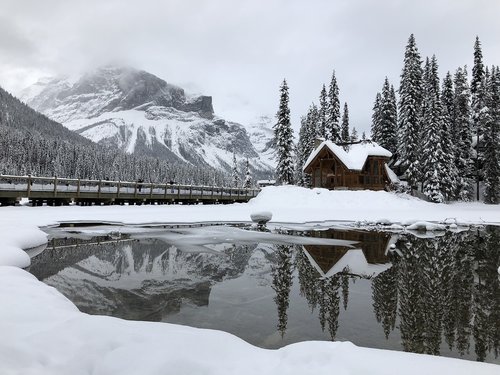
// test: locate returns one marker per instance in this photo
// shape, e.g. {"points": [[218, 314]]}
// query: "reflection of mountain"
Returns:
{"points": [[134, 280]]}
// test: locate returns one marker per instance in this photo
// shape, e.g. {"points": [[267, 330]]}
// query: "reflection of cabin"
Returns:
{"points": [[356, 165], [367, 259]]}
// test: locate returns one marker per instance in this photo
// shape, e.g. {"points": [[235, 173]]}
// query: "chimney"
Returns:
{"points": [[318, 141]]}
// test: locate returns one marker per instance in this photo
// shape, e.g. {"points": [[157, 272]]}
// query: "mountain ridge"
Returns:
{"points": [[134, 110]]}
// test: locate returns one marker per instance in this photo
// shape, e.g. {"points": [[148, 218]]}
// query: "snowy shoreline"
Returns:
{"points": [[44, 333]]}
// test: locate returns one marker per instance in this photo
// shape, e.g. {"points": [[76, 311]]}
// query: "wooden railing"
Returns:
{"points": [[57, 190]]}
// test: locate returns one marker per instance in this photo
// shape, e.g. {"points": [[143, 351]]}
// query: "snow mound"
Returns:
{"points": [[58, 339]]}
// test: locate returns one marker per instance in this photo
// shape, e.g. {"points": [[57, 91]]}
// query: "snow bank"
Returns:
{"points": [[43, 333], [13, 239]]}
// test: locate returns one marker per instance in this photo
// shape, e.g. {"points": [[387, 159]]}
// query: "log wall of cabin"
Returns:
{"points": [[328, 172]]}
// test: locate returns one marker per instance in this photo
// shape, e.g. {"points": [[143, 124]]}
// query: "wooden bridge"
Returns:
{"points": [[56, 191]]}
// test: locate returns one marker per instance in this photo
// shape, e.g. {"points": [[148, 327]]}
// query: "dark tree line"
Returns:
{"points": [[30, 143], [444, 137]]}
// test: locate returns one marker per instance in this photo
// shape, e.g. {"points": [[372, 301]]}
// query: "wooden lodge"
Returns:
{"points": [[354, 166]]}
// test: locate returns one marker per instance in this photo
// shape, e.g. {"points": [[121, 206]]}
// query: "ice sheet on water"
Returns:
{"points": [[188, 237]]}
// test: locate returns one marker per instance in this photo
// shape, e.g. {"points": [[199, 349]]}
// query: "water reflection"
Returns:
{"points": [[426, 295]]}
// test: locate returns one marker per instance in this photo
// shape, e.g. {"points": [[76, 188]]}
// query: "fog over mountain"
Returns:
{"points": [[135, 111]]}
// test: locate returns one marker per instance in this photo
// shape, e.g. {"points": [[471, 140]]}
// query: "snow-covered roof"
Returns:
{"points": [[392, 176], [355, 156]]}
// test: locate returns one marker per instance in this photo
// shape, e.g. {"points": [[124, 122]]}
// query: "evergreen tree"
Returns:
{"points": [[478, 103], [283, 137], [387, 118], [375, 129], [301, 152], [248, 177], [462, 132], [345, 125], [491, 139], [235, 176], [354, 135], [432, 156], [333, 115], [410, 101], [448, 144], [322, 129]]}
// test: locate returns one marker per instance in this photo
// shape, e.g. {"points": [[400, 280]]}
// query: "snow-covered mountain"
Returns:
{"points": [[139, 112]]}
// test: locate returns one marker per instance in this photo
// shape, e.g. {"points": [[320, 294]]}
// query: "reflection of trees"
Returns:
{"points": [[411, 298], [385, 297], [487, 296], [443, 287], [282, 283], [321, 292]]}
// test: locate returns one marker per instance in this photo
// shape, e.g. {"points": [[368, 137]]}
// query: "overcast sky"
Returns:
{"points": [[239, 51]]}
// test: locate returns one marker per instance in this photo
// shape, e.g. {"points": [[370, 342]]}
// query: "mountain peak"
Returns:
{"points": [[110, 88]]}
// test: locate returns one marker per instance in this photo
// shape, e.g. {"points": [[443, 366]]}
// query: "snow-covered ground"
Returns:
{"points": [[43, 333]]}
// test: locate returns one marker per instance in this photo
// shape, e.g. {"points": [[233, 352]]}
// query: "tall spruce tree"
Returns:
{"points": [[491, 139], [478, 103], [375, 129], [333, 114], [302, 152], [322, 130], [387, 118], [448, 139], [410, 101], [432, 156], [463, 135], [283, 139], [345, 125]]}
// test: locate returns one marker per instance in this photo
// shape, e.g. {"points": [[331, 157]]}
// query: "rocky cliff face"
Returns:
{"points": [[138, 112]]}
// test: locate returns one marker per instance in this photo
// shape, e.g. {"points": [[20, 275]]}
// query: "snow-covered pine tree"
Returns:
{"points": [[463, 135], [345, 124], [283, 138], [387, 118], [363, 136], [322, 129], [375, 129], [333, 115], [447, 139], [478, 103], [354, 135], [394, 110], [301, 152], [491, 140], [410, 101], [235, 176], [248, 177], [432, 156], [312, 126]]}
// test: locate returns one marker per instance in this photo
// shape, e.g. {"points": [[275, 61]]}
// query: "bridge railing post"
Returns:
{"points": [[28, 189], [78, 188], [118, 186], [55, 186], [99, 189]]}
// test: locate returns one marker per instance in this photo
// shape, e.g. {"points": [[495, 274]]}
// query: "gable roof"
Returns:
{"points": [[355, 157]]}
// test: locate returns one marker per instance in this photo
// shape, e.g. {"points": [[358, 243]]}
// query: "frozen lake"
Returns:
{"points": [[436, 295]]}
